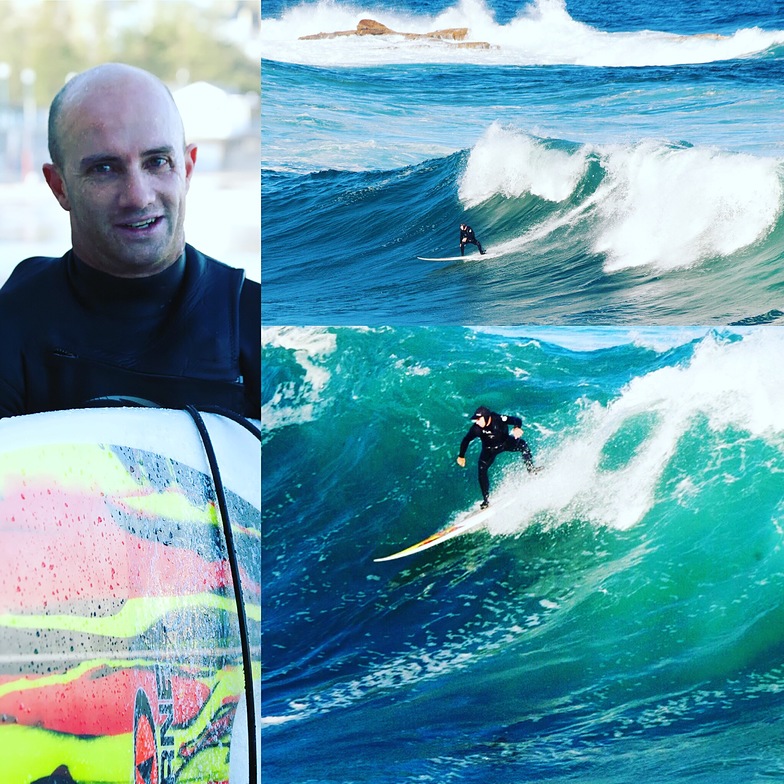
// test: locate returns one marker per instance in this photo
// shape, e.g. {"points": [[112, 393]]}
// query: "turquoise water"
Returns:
{"points": [[619, 616]]}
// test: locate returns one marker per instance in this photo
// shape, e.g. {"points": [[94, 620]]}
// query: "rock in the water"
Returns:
{"points": [[372, 27]]}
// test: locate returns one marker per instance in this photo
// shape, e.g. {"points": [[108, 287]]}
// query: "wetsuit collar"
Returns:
{"points": [[124, 297]]}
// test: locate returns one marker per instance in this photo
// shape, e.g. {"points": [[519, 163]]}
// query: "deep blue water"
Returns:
{"points": [[619, 618], [690, 16], [621, 161]]}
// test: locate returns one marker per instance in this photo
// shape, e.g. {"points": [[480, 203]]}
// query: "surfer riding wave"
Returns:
{"points": [[467, 237], [493, 431]]}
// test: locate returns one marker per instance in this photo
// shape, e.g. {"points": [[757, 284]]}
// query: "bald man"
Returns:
{"points": [[131, 310]]}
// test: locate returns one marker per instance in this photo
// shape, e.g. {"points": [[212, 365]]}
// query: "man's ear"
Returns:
{"points": [[56, 184], [190, 161]]}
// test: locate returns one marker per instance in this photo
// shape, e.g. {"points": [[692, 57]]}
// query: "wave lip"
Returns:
{"points": [[650, 204]]}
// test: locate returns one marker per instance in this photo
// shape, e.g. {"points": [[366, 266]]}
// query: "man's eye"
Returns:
{"points": [[101, 168], [159, 162]]}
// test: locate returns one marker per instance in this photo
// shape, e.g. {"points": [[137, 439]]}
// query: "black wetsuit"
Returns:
{"points": [[495, 439], [187, 335], [467, 236]]}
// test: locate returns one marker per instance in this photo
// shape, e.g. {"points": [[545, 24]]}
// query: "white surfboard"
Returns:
{"points": [[462, 524], [117, 592], [469, 257]]}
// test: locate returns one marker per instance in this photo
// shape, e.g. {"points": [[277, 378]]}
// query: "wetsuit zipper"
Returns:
{"points": [[61, 352]]}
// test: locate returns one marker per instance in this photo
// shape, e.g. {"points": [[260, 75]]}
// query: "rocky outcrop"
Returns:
{"points": [[371, 27]]}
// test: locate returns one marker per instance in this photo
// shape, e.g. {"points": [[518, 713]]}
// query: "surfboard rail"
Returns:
{"points": [[462, 525], [120, 641]]}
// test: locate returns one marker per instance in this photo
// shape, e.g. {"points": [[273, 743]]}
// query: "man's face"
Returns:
{"points": [[481, 422], [124, 178]]}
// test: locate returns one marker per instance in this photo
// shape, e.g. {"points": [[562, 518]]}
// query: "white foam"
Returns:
{"points": [[509, 162], [296, 402], [543, 33], [735, 384], [673, 207]]}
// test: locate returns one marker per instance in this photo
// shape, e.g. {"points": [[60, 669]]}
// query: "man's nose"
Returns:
{"points": [[138, 191]]}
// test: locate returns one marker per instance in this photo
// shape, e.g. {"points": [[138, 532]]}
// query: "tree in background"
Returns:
{"points": [[176, 40]]}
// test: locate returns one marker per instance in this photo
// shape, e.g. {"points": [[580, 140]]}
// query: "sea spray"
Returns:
{"points": [[541, 33], [671, 207], [609, 469]]}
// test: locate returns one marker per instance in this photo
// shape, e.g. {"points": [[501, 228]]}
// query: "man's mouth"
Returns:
{"points": [[141, 224]]}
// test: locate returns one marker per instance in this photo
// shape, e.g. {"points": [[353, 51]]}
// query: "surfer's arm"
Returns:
{"points": [[514, 421], [469, 437]]}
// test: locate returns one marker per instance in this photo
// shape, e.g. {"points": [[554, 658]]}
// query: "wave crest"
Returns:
{"points": [[543, 33], [653, 203]]}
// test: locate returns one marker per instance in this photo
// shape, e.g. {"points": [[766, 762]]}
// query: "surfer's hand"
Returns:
{"points": [[461, 462], [517, 432]]}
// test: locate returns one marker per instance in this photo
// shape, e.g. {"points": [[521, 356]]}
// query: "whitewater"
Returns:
{"points": [[541, 33]]}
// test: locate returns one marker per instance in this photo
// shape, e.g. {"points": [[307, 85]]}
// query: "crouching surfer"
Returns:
{"points": [[467, 237], [493, 431]]}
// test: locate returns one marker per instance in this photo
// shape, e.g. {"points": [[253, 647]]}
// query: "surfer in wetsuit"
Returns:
{"points": [[493, 431], [467, 236], [131, 311]]}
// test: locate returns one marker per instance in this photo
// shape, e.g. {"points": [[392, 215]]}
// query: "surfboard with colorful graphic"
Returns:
{"points": [[129, 610], [464, 523]]}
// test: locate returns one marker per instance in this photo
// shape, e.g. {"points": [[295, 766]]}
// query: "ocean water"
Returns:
{"points": [[622, 162], [619, 618]]}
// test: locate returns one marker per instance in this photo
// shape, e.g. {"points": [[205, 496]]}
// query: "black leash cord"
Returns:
{"points": [[235, 417], [220, 495]]}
